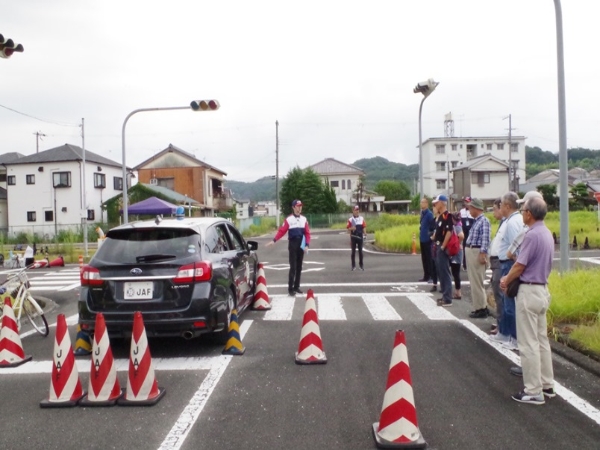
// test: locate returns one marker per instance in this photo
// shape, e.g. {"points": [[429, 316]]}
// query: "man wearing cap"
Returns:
{"points": [[533, 267], [467, 222], [444, 226], [296, 226], [476, 251], [426, 227], [357, 227]]}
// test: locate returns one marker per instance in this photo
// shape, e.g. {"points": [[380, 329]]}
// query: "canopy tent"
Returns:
{"points": [[152, 205]]}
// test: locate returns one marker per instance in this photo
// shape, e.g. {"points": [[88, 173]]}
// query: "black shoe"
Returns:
{"points": [[549, 392], [291, 293], [433, 289], [516, 371], [479, 314], [421, 280], [524, 397], [298, 291]]}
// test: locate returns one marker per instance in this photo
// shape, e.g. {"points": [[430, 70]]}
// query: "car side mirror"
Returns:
{"points": [[252, 245]]}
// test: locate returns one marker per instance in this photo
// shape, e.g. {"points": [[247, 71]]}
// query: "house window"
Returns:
{"points": [[169, 183], [49, 216], [440, 166], [349, 186], [514, 147], [481, 145], [3, 178], [30, 216], [480, 178], [440, 184], [500, 146], [454, 164], [440, 149], [343, 185], [91, 214], [335, 184], [11, 180], [454, 147], [30, 179], [118, 183], [99, 180], [488, 146], [61, 179]]}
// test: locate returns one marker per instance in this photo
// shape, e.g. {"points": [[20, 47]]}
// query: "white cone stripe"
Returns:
{"points": [[145, 389], [310, 327], [9, 333], [69, 388], [311, 350], [380, 308], [398, 391], [106, 389], [6, 355], [261, 288], [401, 427], [399, 354], [330, 308]]}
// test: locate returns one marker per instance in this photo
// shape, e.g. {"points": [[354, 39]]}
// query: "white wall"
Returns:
{"points": [[343, 194]]}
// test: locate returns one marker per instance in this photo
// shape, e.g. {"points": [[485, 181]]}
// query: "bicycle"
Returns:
{"points": [[17, 287]]}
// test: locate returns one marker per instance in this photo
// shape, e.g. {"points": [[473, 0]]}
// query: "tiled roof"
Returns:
{"points": [[65, 152], [332, 166]]}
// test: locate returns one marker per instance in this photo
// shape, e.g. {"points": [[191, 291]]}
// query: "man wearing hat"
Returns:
{"points": [[357, 227], [296, 226], [476, 252], [444, 226]]}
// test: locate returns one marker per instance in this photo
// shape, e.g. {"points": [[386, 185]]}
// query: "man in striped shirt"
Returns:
{"points": [[476, 251]]}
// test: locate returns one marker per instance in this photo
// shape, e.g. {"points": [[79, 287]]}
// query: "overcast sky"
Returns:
{"points": [[337, 75]]}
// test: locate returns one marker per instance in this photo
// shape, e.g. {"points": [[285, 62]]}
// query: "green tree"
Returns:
{"points": [[306, 185], [581, 197], [548, 191], [393, 190], [290, 189]]}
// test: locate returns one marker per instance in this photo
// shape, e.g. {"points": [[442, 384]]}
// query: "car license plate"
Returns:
{"points": [[138, 290]]}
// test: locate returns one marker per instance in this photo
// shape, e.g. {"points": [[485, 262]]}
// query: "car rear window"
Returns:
{"points": [[133, 246]]}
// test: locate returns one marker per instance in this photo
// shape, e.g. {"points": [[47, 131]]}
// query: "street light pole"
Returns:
{"points": [[562, 143], [277, 171], [425, 88], [196, 105]]}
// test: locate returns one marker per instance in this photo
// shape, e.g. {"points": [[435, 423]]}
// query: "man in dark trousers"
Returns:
{"points": [[357, 227], [467, 222], [296, 226], [426, 228]]}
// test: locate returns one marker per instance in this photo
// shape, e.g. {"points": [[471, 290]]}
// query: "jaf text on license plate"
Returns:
{"points": [[138, 290]]}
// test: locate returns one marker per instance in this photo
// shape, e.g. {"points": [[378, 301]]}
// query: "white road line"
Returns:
{"points": [[429, 307], [282, 308], [570, 397], [52, 282], [190, 414], [329, 307], [71, 320], [380, 308], [72, 286], [359, 284]]}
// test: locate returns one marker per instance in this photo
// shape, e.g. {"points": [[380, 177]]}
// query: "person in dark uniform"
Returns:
{"points": [[357, 227], [296, 227], [426, 228]]}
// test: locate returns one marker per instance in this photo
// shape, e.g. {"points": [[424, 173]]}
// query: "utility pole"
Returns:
{"points": [[511, 170], [83, 196], [277, 171], [38, 135]]}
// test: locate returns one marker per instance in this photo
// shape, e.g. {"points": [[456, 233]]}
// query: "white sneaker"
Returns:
{"points": [[499, 337], [511, 344]]}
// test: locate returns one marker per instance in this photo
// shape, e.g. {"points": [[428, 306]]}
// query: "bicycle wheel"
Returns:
{"points": [[36, 316]]}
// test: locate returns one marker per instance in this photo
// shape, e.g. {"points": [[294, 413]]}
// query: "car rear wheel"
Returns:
{"points": [[222, 336]]}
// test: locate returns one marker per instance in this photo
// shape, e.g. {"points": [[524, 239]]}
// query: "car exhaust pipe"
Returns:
{"points": [[187, 335]]}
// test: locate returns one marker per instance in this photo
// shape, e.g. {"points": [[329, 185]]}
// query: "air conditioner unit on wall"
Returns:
{"points": [[153, 181]]}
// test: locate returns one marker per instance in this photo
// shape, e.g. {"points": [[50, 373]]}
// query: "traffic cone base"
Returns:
{"points": [[11, 350], [65, 386], [310, 348], [234, 344], [419, 442], [85, 401], [142, 387], [261, 296], [83, 343]]}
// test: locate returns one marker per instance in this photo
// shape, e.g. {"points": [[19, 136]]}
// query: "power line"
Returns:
{"points": [[37, 118]]}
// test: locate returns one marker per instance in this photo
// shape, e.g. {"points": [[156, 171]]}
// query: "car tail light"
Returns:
{"points": [[90, 276], [194, 273]]}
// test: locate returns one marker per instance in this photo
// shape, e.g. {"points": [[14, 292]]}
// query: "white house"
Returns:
{"points": [[441, 155], [45, 191], [242, 208], [484, 177], [342, 177]]}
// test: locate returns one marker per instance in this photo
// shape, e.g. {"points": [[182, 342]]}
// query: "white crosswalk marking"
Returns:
{"points": [[63, 280], [329, 307], [380, 308], [281, 308]]}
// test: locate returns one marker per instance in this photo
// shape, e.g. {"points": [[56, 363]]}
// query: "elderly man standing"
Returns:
{"points": [[425, 229], [533, 267], [476, 251]]}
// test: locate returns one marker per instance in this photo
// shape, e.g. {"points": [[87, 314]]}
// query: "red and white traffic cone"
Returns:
{"points": [[142, 387], [11, 350], [104, 388], [65, 386], [261, 296], [310, 348], [397, 426]]}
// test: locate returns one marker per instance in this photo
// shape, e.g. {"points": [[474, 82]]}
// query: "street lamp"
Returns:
{"points": [[425, 88], [196, 105]]}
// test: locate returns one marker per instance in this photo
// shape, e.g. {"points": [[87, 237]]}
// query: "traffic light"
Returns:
{"points": [[8, 47], [205, 105], [426, 87]]}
